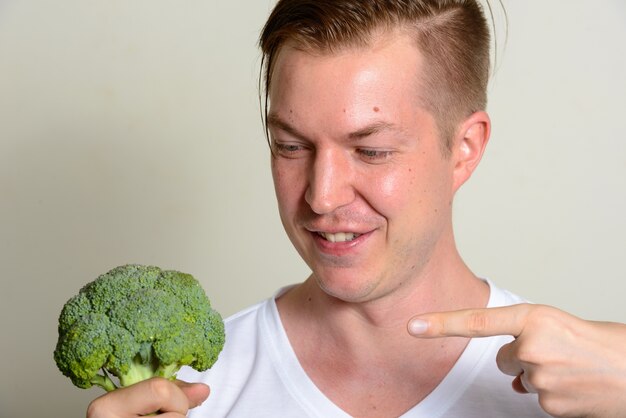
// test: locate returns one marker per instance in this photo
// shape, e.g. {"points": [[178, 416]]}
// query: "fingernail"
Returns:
{"points": [[418, 326]]}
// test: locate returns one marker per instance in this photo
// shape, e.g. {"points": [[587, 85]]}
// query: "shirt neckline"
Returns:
{"points": [[317, 404]]}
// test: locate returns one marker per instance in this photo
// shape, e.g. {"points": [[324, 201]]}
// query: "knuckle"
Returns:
{"points": [[476, 323], [540, 382], [553, 405], [96, 408], [161, 388], [543, 314], [527, 353]]}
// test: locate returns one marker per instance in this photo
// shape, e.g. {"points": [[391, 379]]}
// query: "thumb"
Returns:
{"points": [[197, 393]]}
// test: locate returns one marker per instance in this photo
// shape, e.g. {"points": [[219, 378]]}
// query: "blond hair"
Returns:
{"points": [[452, 35]]}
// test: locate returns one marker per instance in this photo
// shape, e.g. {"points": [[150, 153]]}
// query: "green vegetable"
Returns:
{"points": [[136, 322]]}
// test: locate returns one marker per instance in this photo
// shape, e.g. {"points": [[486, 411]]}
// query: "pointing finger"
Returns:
{"points": [[487, 322]]}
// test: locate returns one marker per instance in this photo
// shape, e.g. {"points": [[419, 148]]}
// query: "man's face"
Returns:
{"points": [[364, 191]]}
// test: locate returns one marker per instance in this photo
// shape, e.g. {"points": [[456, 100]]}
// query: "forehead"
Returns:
{"points": [[383, 76], [394, 47]]}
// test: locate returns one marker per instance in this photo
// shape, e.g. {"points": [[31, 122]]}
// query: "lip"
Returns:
{"points": [[339, 248]]}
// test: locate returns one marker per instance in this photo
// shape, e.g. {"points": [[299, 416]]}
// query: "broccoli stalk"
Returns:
{"points": [[136, 322], [144, 366], [104, 381]]}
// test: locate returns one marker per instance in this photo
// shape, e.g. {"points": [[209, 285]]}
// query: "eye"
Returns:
{"points": [[374, 155], [287, 149]]}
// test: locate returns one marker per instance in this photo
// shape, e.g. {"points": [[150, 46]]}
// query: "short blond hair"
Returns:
{"points": [[452, 35]]}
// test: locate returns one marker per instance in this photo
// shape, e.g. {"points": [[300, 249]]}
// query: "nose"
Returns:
{"points": [[330, 182]]}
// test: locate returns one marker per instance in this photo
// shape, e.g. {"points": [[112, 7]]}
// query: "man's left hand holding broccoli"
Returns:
{"points": [[171, 399]]}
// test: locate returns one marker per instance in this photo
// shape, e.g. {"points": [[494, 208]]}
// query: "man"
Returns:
{"points": [[376, 118]]}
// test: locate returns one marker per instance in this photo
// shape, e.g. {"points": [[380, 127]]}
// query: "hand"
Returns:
{"points": [[577, 367], [171, 399]]}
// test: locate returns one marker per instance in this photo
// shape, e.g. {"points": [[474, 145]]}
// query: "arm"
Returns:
{"points": [[171, 399], [577, 367]]}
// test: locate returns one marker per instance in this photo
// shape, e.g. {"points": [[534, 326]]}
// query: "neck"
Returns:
{"points": [[437, 287], [443, 283], [366, 345]]}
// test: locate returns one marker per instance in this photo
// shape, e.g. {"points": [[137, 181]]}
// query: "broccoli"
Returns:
{"points": [[136, 322]]}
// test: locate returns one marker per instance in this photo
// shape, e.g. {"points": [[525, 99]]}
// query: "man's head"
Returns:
{"points": [[452, 36], [364, 190]]}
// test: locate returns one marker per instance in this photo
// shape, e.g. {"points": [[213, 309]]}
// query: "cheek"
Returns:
{"points": [[391, 192], [278, 178], [410, 191], [401, 183], [392, 186], [286, 185]]}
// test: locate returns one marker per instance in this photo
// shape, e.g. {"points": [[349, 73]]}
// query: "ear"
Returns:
{"points": [[469, 146]]}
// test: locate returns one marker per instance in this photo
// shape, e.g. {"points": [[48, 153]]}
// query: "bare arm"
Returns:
{"points": [[577, 367]]}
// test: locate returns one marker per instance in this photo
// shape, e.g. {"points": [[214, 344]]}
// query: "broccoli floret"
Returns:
{"points": [[136, 322]]}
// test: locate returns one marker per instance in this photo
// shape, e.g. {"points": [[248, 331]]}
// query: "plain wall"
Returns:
{"points": [[130, 132]]}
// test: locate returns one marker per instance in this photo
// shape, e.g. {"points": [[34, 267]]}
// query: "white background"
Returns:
{"points": [[130, 132]]}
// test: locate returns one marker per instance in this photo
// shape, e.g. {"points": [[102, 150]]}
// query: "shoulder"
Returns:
{"points": [[242, 329], [501, 297], [242, 332], [245, 316]]}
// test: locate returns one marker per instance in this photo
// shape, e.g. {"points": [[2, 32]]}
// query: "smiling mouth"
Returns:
{"points": [[339, 236]]}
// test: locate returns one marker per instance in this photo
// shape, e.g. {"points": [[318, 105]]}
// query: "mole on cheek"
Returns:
{"points": [[376, 109]]}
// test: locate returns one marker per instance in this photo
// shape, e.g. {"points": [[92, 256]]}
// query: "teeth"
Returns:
{"points": [[339, 236]]}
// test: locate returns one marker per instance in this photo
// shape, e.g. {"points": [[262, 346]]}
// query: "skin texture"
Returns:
{"points": [[331, 174], [355, 152], [171, 399], [577, 367]]}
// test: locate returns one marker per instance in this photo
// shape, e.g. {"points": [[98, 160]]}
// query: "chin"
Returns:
{"points": [[351, 290]]}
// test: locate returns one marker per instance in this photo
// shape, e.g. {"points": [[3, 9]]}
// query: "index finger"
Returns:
{"points": [[485, 322]]}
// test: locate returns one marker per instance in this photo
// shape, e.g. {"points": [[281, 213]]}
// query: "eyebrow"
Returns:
{"points": [[371, 129], [275, 121]]}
